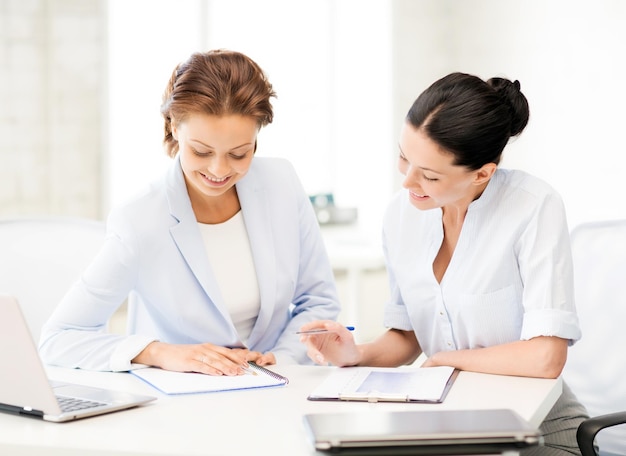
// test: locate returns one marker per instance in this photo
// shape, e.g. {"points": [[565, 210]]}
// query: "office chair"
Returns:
{"points": [[41, 257], [596, 367]]}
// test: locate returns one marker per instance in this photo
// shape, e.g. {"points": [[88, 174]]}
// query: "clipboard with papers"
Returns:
{"points": [[386, 384]]}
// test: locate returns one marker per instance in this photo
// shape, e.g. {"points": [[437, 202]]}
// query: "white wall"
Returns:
{"points": [[568, 56], [369, 59], [52, 73], [147, 39], [332, 74]]}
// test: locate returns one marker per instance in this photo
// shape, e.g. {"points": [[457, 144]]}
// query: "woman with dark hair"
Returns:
{"points": [[221, 260], [478, 257]]}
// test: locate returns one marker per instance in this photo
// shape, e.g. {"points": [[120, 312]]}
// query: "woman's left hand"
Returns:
{"points": [[262, 359]]}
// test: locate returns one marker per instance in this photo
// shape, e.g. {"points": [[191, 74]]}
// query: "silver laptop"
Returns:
{"points": [[421, 432], [24, 385]]}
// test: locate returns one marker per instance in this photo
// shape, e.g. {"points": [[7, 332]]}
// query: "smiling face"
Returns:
{"points": [[432, 178], [215, 153]]}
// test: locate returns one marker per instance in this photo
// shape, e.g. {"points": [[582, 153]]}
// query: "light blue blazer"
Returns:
{"points": [[154, 255]]}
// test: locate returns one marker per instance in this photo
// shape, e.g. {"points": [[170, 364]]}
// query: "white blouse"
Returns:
{"points": [[228, 249], [510, 276]]}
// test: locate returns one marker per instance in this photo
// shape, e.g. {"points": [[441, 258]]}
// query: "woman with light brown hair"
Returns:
{"points": [[222, 259]]}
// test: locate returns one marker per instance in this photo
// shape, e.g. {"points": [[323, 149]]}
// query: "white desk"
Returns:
{"points": [[261, 421]]}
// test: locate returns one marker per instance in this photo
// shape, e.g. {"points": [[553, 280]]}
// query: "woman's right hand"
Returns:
{"points": [[203, 358], [337, 346]]}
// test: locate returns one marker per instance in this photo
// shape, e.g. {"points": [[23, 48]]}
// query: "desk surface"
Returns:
{"points": [[263, 421]]}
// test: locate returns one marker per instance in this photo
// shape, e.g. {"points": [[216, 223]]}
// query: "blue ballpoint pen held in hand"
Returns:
{"points": [[320, 331]]}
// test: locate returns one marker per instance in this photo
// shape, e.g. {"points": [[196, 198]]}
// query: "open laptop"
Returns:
{"points": [[432, 432], [24, 385]]}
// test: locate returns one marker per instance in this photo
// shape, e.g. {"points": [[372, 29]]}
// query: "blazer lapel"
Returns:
{"points": [[188, 239]]}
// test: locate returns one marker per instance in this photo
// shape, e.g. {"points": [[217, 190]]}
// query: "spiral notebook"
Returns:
{"points": [[170, 382]]}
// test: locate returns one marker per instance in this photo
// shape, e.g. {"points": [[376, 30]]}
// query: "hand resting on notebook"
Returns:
{"points": [[203, 358]]}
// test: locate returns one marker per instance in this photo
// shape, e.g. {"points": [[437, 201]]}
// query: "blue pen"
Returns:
{"points": [[320, 331]]}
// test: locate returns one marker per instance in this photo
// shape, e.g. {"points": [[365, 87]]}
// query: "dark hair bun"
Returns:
{"points": [[512, 96]]}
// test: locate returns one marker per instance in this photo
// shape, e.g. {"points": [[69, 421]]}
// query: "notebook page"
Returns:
{"points": [[170, 382]]}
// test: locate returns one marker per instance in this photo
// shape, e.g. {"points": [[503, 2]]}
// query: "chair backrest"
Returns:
{"points": [[40, 258], [596, 365]]}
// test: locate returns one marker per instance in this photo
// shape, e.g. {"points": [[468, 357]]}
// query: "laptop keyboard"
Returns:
{"points": [[72, 404]]}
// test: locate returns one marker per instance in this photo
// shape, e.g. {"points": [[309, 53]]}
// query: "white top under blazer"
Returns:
{"points": [[154, 255], [231, 260]]}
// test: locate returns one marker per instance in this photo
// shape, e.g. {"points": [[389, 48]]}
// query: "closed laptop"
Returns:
{"points": [[421, 432]]}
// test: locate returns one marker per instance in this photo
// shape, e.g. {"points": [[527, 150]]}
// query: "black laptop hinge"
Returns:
{"points": [[21, 410], [31, 412]]}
